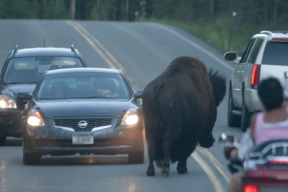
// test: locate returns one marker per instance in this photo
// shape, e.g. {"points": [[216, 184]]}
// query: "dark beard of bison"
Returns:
{"points": [[180, 110]]}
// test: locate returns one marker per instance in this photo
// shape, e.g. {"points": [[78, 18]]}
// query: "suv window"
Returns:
{"points": [[247, 51], [275, 53], [254, 51]]}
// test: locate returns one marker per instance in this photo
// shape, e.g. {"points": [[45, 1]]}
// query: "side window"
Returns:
{"points": [[247, 51], [254, 51]]}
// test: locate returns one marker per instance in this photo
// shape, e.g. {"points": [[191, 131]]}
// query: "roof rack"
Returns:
{"points": [[72, 48], [270, 32], [266, 32], [15, 49]]}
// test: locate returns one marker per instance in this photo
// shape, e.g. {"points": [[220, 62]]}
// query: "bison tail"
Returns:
{"points": [[219, 86]]}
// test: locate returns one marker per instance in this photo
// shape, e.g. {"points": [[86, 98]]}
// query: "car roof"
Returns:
{"points": [[274, 35], [83, 70], [45, 51]]}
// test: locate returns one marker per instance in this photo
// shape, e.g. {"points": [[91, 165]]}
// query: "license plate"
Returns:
{"points": [[82, 138]]}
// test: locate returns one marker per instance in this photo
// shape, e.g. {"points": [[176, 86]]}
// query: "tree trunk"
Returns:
{"points": [[212, 8], [275, 12], [73, 9]]}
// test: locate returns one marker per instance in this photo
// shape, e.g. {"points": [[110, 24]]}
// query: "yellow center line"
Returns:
{"points": [[216, 163], [101, 50], [213, 178]]}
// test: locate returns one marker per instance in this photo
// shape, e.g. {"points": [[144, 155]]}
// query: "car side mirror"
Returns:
{"points": [[138, 98], [230, 56], [22, 99]]}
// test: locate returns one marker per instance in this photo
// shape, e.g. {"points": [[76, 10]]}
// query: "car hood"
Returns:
{"points": [[13, 89], [83, 108]]}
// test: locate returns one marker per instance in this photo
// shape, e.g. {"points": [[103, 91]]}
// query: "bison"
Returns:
{"points": [[179, 109]]}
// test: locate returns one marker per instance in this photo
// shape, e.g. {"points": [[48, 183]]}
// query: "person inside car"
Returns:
{"points": [[268, 125], [60, 90]]}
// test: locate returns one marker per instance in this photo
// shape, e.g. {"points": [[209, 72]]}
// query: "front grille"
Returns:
{"points": [[92, 123]]}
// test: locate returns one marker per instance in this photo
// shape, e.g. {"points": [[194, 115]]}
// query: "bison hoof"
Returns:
{"points": [[165, 171], [150, 172], [182, 170]]}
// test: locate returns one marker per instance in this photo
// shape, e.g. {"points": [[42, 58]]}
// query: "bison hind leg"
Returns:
{"points": [[165, 168]]}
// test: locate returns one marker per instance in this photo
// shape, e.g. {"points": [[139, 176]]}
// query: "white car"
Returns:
{"points": [[265, 55]]}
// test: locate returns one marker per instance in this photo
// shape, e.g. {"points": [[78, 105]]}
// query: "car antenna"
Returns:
{"points": [[44, 42], [15, 49], [72, 48]]}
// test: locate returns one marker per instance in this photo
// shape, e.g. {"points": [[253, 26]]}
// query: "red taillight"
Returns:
{"points": [[279, 162], [280, 39], [255, 76], [250, 188]]}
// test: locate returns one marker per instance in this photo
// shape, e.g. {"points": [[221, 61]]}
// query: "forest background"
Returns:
{"points": [[225, 24]]}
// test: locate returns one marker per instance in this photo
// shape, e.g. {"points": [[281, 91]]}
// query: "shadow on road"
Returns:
{"points": [[84, 160], [13, 141]]}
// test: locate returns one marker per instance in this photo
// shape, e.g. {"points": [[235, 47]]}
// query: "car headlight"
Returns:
{"points": [[7, 102], [34, 118], [130, 118]]}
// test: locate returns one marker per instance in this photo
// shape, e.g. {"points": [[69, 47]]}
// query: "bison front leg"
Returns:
{"points": [[207, 141], [150, 170], [182, 166]]}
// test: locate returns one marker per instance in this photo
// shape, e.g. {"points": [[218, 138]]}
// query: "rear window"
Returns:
{"points": [[276, 53], [30, 69]]}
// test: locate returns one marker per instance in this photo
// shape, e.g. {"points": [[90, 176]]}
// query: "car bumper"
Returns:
{"points": [[58, 141], [252, 101], [10, 123], [267, 179]]}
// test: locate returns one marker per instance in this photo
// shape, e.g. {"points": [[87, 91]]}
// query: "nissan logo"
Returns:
{"points": [[82, 124]]}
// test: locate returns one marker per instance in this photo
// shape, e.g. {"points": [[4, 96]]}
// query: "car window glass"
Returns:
{"points": [[22, 70], [275, 53], [31, 69], [254, 51], [247, 51], [91, 85]]}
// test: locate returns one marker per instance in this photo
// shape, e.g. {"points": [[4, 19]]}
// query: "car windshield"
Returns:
{"points": [[82, 85], [31, 69], [276, 53]]}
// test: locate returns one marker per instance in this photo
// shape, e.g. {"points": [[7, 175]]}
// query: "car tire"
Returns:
{"points": [[136, 157], [31, 158], [3, 141], [233, 120], [245, 117]]}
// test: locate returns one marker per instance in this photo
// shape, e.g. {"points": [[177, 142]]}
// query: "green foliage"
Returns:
{"points": [[217, 32], [210, 20]]}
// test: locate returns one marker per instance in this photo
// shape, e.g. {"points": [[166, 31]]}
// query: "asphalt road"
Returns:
{"points": [[142, 51]]}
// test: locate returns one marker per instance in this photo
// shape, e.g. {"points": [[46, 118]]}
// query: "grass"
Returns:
{"points": [[218, 32]]}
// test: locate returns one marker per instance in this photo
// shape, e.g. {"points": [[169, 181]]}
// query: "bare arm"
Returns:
{"points": [[252, 125]]}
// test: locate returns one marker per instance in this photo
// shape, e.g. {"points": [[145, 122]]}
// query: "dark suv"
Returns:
{"points": [[265, 55], [21, 71]]}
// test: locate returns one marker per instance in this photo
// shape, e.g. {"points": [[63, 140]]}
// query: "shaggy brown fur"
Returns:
{"points": [[179, 109]]}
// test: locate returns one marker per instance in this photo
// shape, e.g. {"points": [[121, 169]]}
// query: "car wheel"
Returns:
{"points": [[136, 157], [2, 141], [233, 120], [245, 116], [31, 158]]}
